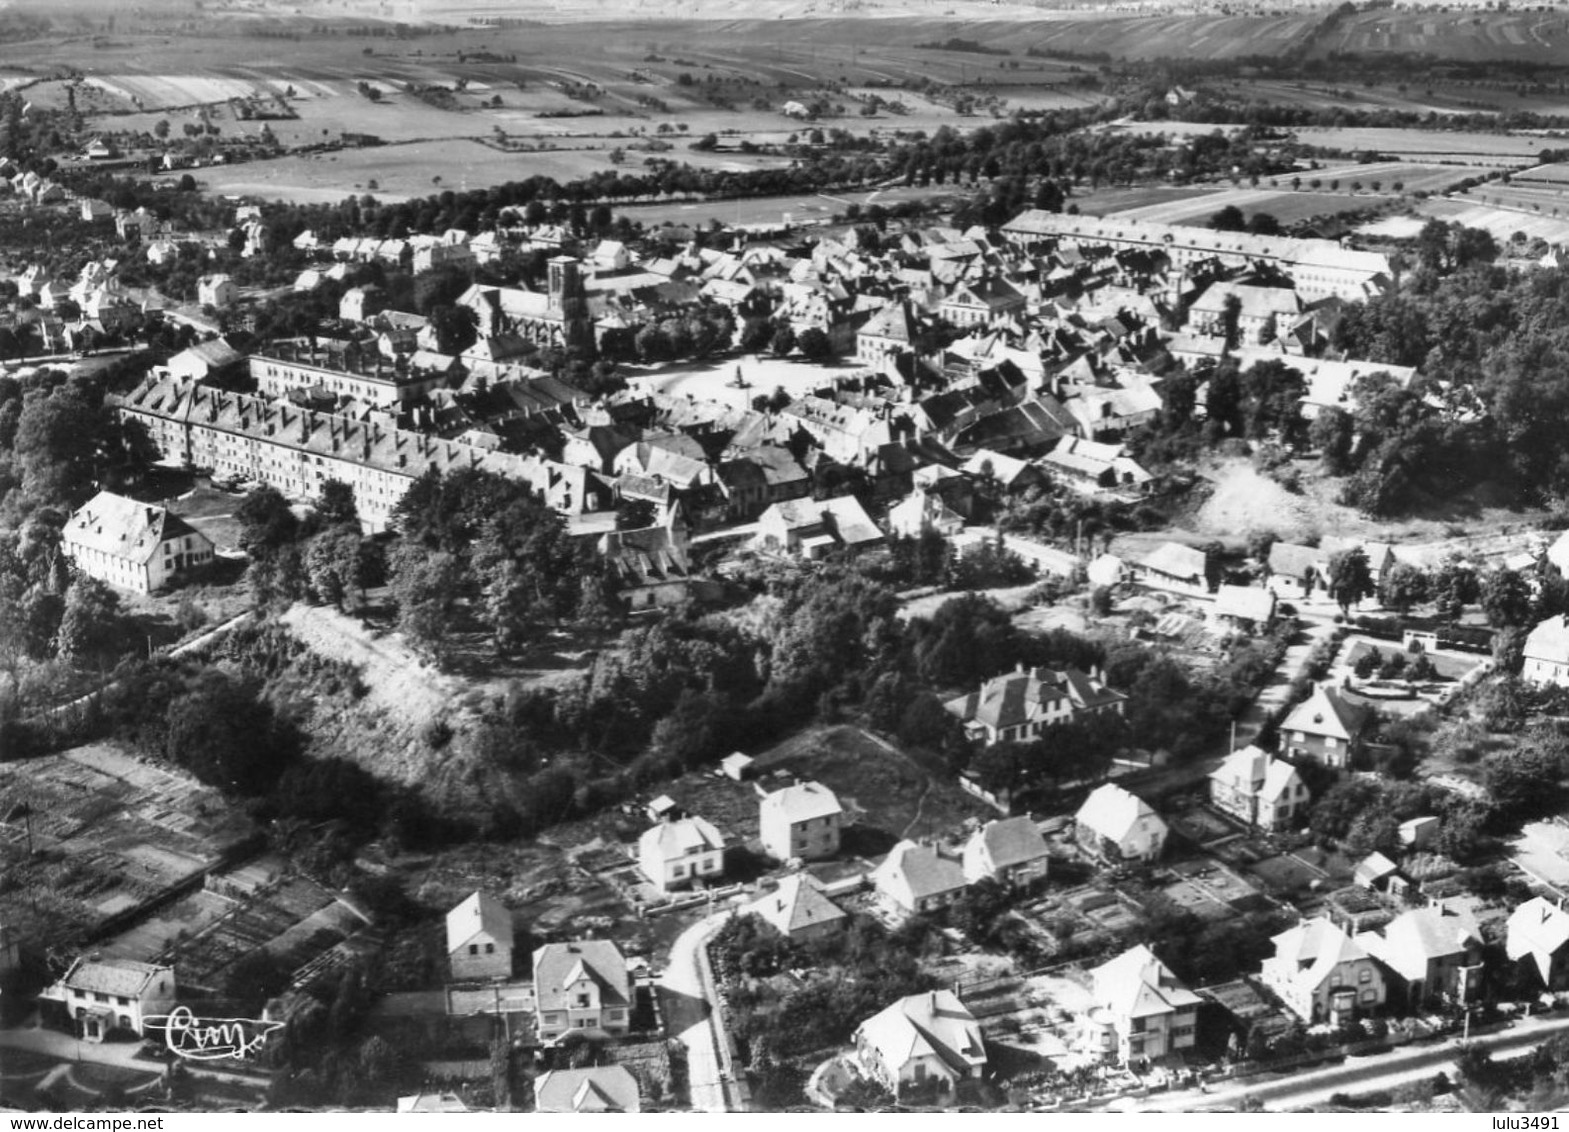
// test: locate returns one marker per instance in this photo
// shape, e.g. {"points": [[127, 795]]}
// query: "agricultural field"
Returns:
{"points": [[1503, 223], [1422, 145], [1287, 207]]}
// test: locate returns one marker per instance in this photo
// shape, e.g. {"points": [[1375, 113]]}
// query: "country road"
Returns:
{"points": [[1359, 1074]]}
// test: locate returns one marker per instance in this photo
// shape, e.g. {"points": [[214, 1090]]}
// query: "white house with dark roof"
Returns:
{"points": [[1546, 653], [798, 909], [581, 986], [1293, 572], [1141, 1010], [1538, 933], [1117, 826], [1255, 787], [679, 853], [1325, 728], [215, 291], [479, 939], [800, 822], [599, 1088], [1009, 850], [1431, 955], [104, 995], [1020, 705], [1322, 975], [915, 879], [135, 546], [925, 1040], [889, 333]]}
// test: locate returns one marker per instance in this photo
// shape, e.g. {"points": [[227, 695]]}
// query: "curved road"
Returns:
{"points": [[689, 999]]}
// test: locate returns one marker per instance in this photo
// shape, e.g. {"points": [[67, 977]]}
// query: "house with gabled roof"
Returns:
{"points": [[890, 332], [925, 1040], [1546, 652], [979, 302], [1322, 975], [1009, 850], [800, 822], [1293, 572], [1141, 1010], [580, 986], [1538, 934], [105, 995], [799, 909], [1430, 955], [1325, 728], [680, 852], [1021, 705], [649, 566], [814, 528], [432, 1102], [480, 939], [1255, 787], [915, 879], [1114, 825], [132, 545], [1172, 566], [598, 1088], [1248, 608]]}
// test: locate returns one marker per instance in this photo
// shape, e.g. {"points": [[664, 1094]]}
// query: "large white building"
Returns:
{"points": [[105, 995], [479, 939], [801, 821], [131, 545], [1546, 653], [1141, 1010], [680, 853]]}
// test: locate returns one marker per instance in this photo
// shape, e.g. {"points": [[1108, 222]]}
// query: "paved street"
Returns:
{"points": [[687, 1000], [1359, 1074]]}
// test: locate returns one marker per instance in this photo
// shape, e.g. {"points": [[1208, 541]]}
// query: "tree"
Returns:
{"points": [[90, 624], [1332, 433], [266, 522], [1505, 598], [226, 736], [1350, 579], [336, 504], [783, 341], [425, 588], [1228, 219], [814, 344], [635, 514], [338, 565], [1404, 587]]}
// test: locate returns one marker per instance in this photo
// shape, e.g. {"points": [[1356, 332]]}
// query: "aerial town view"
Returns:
{"points": [[826, 556]]}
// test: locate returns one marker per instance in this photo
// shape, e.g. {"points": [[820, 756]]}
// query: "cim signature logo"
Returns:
{"points": [[212, 1039]]}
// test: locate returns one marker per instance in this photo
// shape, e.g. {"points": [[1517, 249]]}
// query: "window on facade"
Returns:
{"points": [[1370, 995], [1365, 975], [473, 949], [582, 1000], [490, 949]]}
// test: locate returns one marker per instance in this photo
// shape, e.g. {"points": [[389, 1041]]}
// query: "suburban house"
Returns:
{"points": [[923, 511], [1325, 728], [798, 909], [432, 1102], [1431, 956], [600, 1088], [105, 995], [815, 528], [1117, 826], [1172, 566], [1322, 975], [1094, 466], [1255, 787], [1244, 607], [802, 822], [1546, 653], [479, 939], [1020, 705], [215, 291], [1538, 932], [135, 546], [1293, 572], [679, 853], [581, 986], [1141, 1010], [924, 1040], [915, 878], [1009, 850]]}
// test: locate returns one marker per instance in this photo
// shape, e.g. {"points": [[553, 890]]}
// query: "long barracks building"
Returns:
{"points": [[297, 450], [1319, 269]]}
